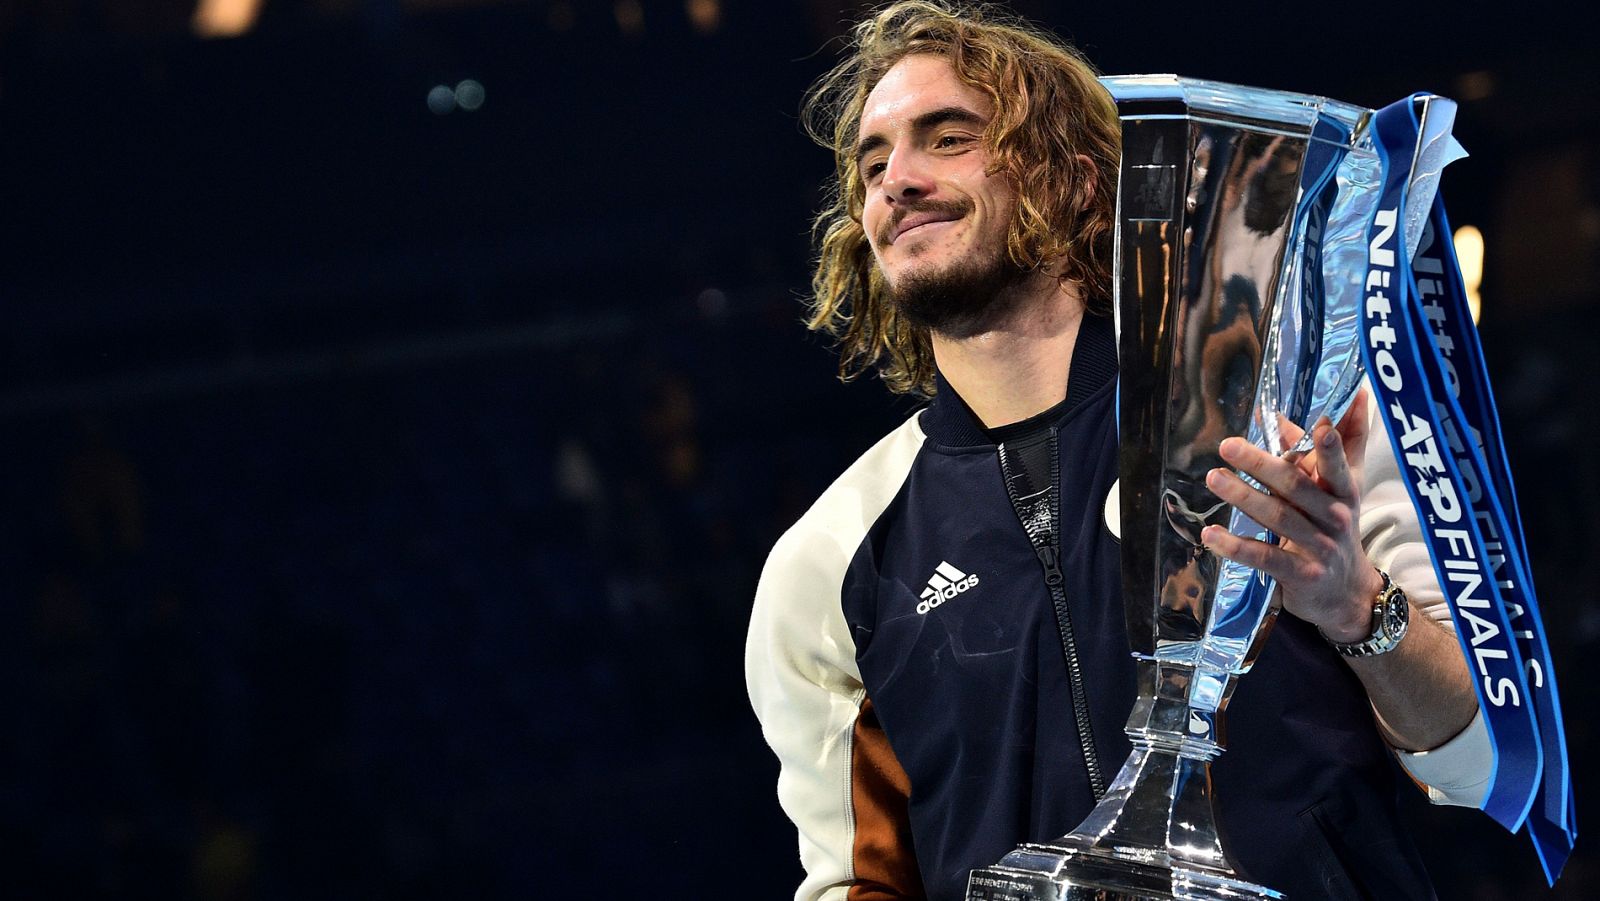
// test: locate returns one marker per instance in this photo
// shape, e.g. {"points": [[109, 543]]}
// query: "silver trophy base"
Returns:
{"points": [[1153, 834], [1055, 873]]}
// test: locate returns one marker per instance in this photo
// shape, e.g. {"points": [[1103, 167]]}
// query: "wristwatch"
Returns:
{"points": [[1391, 614]]}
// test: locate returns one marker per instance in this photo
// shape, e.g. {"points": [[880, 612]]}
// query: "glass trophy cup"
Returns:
{"points": [[1241, 246]]}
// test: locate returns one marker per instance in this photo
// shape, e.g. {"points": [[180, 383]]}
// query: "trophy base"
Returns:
{"points": [[1055, 873]]}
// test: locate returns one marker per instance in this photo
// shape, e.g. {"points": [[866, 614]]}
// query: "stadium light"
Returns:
{"points": [[224, 18], [1469, 253]]}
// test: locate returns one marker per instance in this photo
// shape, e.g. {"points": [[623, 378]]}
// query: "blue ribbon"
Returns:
{"points": [[1460, 360], [1427, 365]]}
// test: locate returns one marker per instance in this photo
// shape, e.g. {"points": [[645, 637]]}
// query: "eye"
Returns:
{"points": [[948, 142], [872, 170]]}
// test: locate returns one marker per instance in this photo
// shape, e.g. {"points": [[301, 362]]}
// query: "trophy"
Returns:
{"points": [[1241, 247]]}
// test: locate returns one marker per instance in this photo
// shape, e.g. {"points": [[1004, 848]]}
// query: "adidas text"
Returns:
{"points": [[946, 583]]}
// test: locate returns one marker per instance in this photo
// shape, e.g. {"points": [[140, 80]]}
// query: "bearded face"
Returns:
{"points": [[962, 297], [936, 218]]}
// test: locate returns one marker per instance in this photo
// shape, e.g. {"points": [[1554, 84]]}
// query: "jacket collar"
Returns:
{"points": [[950, 422]]}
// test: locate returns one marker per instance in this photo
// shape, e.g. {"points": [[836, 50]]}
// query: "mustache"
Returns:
{"points": [[956, 208]]}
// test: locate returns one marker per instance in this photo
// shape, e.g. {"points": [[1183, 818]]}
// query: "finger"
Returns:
{"points": [[1358, 413], [1283, 477], [1333, 466], [1289, 433], [1274, 561], [1354, 430], [1265, 509]]}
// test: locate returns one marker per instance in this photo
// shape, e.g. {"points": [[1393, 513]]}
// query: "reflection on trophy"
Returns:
{"points": [[1241, 248]]}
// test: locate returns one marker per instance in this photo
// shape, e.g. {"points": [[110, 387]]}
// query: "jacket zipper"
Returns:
{"points": [[1047, 545]]}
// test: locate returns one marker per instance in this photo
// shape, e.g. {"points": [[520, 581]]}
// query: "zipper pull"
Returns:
{"points": [[1052, 565]]}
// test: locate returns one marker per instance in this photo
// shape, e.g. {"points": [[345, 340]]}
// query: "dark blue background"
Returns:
{"points": [[382, 492]]}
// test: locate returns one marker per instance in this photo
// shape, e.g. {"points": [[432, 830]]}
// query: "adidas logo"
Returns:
{"points": [[947, 582]]}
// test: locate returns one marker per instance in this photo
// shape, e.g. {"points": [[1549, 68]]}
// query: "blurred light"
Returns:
{"points": [[630, 17], [1469, 253], [1475, 85], [713, 302], [224, 18], [469, 95], [441, 100], [561, 17], [705, 15]]}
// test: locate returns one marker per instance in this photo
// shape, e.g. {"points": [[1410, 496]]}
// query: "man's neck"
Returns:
{"points": [[1018, 368]]}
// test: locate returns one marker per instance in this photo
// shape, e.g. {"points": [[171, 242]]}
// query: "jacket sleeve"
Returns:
{"points": [[806, 690], [838, 779], [1458, 771]]}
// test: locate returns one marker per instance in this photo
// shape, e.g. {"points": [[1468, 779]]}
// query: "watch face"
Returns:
{"points": [[1394, 622]]}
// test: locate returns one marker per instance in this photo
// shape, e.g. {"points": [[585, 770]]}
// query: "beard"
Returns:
{"points": [[966, 298]]}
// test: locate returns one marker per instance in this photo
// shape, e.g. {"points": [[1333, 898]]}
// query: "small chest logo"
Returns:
{"points": [[947, 582], [1114, 510]]}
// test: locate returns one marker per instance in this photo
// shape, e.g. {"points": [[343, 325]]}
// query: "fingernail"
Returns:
{"points": [[1214, 477], [1330, 438]]}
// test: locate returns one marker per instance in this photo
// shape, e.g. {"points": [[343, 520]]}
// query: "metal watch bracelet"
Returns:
{"points": [[1391, 616]]}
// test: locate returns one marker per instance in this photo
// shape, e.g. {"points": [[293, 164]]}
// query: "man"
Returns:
{"points": [[937, 686]]}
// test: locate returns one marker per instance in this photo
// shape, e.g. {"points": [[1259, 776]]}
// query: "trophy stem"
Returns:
{"points": [[1153, 837]]}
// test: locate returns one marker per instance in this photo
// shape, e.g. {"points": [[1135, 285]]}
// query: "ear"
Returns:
{"points": [[1091, 175], [1087, 185]]}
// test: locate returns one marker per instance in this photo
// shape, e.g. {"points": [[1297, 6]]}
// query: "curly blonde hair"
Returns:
{"points": [[1051, 115]]}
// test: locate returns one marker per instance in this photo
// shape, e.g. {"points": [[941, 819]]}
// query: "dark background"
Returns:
{"points": [[382, 491]]}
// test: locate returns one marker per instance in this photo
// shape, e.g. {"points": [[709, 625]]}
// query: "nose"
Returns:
{"points": [[905, 176]]}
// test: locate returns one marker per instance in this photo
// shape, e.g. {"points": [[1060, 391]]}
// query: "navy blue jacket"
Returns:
{"points": [[925, 721]]}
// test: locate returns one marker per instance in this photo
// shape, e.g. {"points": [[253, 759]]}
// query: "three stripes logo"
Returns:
{"points": [[946, 583]]}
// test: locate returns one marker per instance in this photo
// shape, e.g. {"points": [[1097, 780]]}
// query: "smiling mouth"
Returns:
{"points": [[912, 218], [922, 225], [905, 230]]}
